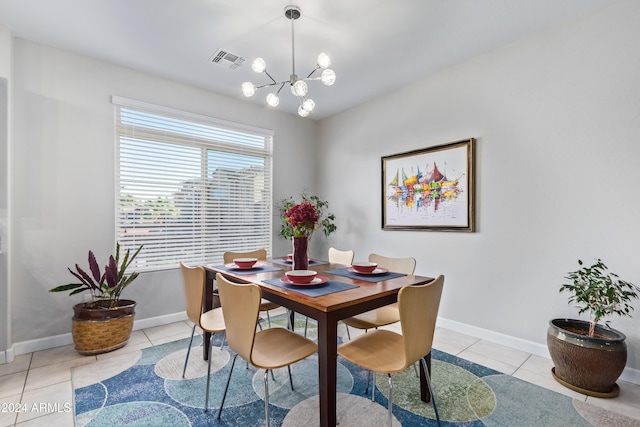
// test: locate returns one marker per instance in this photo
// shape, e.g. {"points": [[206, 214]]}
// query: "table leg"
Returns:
{"points": [[208, 305], [424, 389], [327, 368]]}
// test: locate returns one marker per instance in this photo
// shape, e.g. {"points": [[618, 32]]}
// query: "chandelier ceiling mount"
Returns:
{"points": [[298, 86]]}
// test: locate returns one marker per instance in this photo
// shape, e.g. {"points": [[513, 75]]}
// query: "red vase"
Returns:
{"points": [[300, 257]]}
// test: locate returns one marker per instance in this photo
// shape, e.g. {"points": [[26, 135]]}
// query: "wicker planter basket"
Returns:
{"points": [[100, 330]]}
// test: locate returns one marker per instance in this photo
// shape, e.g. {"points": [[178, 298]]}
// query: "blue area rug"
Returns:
{"points": [[146, 388]]}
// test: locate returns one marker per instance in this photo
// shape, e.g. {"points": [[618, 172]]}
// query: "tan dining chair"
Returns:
{"points": [[340, 257], [260, 254], [389, 352], [193, 280], [267, 349], [388, 314]]}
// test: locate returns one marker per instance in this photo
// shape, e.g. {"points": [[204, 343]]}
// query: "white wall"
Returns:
{"points": [[62, 201], [557, 122], [5, 79]]}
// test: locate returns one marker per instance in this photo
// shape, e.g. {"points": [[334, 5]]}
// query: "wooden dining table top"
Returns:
{"points": [[364, 293]]}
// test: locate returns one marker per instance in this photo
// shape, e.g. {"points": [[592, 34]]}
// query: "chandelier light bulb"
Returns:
{"points": [[328, 77], [273, 100], [303, 112], [259, 65], [323, 60], [309, 105], [299, 88], [248, 89]]}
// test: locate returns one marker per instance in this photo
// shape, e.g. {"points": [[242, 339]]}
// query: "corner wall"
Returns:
{"points": [[5, 304], [557, 122]]}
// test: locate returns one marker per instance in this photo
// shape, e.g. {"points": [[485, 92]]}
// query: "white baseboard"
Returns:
{"points": [[66, 339], [629, 374]]}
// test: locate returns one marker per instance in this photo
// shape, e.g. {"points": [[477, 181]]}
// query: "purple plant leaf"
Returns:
{"points": [[111, 273], [93, 265], [85, 277]]}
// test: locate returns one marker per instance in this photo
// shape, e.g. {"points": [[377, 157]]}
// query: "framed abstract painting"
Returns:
{"points": [[430, 189]]}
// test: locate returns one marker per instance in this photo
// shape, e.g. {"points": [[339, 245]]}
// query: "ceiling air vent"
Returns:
{"points": [[223, 57]]}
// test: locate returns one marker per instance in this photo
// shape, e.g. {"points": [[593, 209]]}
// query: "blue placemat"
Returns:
{"points": [[288, 263], [368, 278], [330, 287], [254, 270]]}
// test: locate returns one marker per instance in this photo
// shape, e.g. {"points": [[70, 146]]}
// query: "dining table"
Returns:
{"points": [[343, 293]]}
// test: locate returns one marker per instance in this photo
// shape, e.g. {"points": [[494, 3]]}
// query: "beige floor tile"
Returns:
{"points": [[178, 329], [19, 363], [138, 337], [499, 353], [47, 400], [56, 355], [538, 364], [12, 384], [480, 359], [53, 374], [57, 419], [129, 348], [8, 417], [452, 342]]}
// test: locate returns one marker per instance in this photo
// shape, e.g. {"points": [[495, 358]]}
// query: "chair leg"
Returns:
{"points": [[268, 318], [290, 377], [373, 386], [186, 359], [266, 397], [306, 323], [366, 390], [390, 399], [224, 396], [433, 399], [206, 399], [348, 334], [224, 340]]}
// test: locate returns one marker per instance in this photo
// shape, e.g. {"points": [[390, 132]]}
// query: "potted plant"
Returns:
{"points": [[589, 357], [325, 219], [105, 322]]}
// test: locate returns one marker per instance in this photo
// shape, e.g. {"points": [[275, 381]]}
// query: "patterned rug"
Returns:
{"points": [[146, 388]]}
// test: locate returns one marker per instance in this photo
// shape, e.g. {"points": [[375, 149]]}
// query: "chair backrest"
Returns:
{"points": [[397, 265], [340, 257], [228, 257], [240, 305], [418, 306], [193, 281]]}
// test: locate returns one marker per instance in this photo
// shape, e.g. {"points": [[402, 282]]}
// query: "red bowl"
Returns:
{"points": [[364, 267], [301, 276], [245, 262]]}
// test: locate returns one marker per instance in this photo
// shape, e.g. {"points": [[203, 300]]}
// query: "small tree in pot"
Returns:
{"points": [[588, 357], [104, 323]]}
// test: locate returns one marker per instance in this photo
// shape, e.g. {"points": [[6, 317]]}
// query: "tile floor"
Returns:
{"points": [[35, 389]]}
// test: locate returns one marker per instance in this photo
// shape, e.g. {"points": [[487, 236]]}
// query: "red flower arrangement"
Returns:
{"points": [[303, 219]]}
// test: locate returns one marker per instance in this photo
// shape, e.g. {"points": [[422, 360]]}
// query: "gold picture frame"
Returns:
{"points": [[430, 189]]}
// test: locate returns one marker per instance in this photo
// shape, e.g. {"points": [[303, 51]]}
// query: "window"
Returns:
{"points": [[189, 187]]}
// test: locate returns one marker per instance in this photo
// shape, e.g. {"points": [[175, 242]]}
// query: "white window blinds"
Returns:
{"points": [[189, 187]]}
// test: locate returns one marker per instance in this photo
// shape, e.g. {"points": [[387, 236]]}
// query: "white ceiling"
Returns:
{"points": [[376, 46]]}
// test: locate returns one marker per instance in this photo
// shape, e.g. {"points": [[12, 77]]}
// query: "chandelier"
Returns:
{"points": [[299, 86]]}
